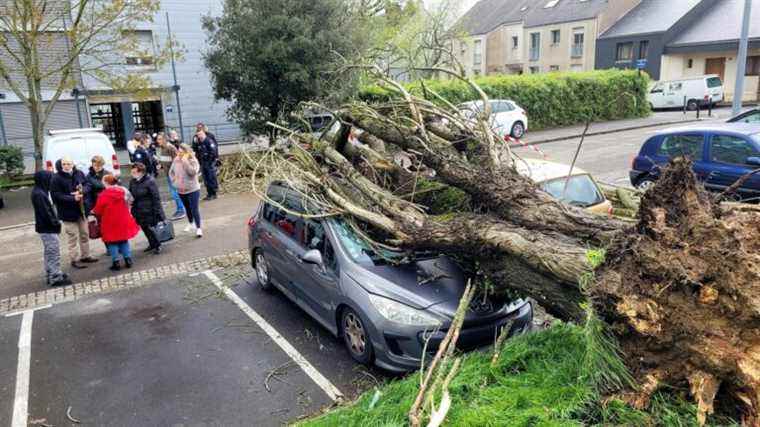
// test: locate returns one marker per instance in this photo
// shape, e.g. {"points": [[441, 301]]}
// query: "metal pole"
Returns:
{"points": [[2, 128], [741, 58], [174, 74]]}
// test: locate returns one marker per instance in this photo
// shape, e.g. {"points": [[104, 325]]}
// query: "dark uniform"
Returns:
{"points": [[207, 152]]}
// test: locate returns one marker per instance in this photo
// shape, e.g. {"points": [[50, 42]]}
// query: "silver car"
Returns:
{"points": [[389, 308]]}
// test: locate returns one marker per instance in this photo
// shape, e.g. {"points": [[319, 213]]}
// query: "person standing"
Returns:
{"points": [[48, 226], [184, 175], [68, 189], [132, 145], [166, 154], [207, 151], [174, 139], [146, 207], [142, 155], [95, 180], [117, 226]]}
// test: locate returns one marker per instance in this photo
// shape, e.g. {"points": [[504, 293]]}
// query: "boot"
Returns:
{"points": [[128, 262], [115, 266]]}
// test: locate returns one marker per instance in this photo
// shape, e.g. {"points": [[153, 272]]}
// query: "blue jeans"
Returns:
{"points": [[175, 196], [192, 202], [115, 248]]}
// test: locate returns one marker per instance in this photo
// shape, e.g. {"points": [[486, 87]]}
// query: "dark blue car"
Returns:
{"points": [[722, 153]]}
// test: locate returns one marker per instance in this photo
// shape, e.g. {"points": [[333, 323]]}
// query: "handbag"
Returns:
{"points": [[164, 231], [93, 228]]}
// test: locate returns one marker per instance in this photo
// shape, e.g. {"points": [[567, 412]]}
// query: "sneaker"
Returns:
{"points": [[148, 249], [115, 266], [177, 216], [89, 260], [128, 262], [77, 265], [190, 228], [157, 250], [199, 232]]}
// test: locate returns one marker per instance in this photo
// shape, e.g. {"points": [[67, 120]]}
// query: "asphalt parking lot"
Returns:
{"points": [[184, 351]]}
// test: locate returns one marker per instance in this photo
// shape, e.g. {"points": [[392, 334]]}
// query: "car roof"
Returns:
{"points": [[544, 170], [735, 128], [704, 76]]}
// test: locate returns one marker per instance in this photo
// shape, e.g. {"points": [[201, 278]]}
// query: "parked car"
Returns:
{"points": [[748, 116], [80, 145], [507, 118], [582, 190], [385, 306], [695, 91], [721, 153]]}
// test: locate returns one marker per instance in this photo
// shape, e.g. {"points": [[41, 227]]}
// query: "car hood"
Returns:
{"points": [[419, 284]]}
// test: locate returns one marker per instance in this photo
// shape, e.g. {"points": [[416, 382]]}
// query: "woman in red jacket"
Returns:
{"points": [[117, 225]]}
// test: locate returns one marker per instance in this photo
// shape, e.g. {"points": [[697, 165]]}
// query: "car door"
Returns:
{"points": [[687, 144], [318, 284], [281, 251], [674, 94], [657, 96], [728, 156]]}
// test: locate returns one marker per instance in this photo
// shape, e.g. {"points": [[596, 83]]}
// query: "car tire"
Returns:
{"points": [[692, 105], [518, 130], [644, 184], [356, 337], [261, 266]]}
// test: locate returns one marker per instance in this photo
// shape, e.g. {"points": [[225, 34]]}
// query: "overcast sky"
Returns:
{"points": [[465, 5]]}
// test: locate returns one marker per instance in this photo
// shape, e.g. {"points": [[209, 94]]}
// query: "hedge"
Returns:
{"points": [[551, 100]]}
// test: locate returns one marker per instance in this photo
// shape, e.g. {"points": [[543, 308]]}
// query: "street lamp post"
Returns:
{"points": [[741, 59]]}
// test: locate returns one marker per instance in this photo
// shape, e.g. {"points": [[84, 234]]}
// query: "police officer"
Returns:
{"points": [[207, 151]]}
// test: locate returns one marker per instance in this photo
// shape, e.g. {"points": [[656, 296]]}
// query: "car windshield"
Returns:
{"points": [[362, 253], [581, 190]]}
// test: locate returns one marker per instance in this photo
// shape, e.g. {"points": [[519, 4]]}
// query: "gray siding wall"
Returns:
{"points": [[606, 49]]}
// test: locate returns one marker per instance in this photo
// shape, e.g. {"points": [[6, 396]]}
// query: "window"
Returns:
{"points": [[731, 149], [690, 63], [714, 82], [577, 48], [624, 52], [555, 37], [534, 70], [675, 87], [501, 107], [581, 190], [289, 224], [477, 54], [554, 68], [658, 88], [752, 117], [753, 66], [144, 51], [576, 68], [515, 42], [535, 46], [550, 4], [643, 49], [690, 146], [314, 237]]}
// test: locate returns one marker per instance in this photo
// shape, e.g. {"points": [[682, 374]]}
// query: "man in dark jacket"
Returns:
{"points": [[68, 189], [47, 225], [146, 207], [207, 151], [95, 181], [143, 155]]}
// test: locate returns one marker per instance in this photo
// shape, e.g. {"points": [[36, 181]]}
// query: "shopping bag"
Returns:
{"points": [[164, 231]]}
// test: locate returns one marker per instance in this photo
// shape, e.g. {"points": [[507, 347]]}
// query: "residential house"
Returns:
{"points": [[683, 39]]}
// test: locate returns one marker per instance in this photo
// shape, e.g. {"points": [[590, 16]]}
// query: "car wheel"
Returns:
{"points": [[518, 130], [645, 184], [262, 270], [692, 105], [356, 336]]}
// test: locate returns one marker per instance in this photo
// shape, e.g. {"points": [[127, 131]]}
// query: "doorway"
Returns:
{"points": [[716, 66], [120, 120]]}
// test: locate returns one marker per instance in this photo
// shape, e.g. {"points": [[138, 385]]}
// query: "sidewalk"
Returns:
{"points": [[659, 118]]}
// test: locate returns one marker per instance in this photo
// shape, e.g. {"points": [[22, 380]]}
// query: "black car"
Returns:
{"points": [[388, 307]]}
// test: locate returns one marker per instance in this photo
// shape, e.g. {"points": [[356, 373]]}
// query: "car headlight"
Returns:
{"points": [[403, 314]]}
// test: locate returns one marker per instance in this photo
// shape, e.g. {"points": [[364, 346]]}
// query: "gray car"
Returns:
{"points": [[389, 308]]}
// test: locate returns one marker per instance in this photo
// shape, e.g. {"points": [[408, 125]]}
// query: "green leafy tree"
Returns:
{"points": [[267, 56], [48, 45]]}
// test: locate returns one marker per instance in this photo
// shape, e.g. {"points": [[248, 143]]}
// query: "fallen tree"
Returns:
{"points": [[680, 289]]}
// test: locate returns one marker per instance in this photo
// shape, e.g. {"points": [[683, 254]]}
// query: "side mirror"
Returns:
{"points": [[312, 257], [754, 161]]}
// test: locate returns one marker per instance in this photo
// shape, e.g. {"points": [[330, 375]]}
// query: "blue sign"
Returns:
{"points": [[169, 108], [641, 64]]}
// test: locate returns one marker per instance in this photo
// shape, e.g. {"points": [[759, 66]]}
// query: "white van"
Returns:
{"points": [[696, 91], [80, 145]]}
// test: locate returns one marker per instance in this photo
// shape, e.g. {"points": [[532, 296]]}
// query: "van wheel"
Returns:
{"points": [[692, 105], [645, 184], [518, 130], [356, 336], [262, 270]]}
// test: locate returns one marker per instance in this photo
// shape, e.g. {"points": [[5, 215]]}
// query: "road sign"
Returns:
{"points": [[641, 64]]}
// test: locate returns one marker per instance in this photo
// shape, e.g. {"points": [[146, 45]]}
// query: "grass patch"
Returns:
{"points": [[542, 379]]}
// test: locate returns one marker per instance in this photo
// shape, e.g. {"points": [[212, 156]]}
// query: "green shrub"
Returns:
{"points": [[551, 100], [11, 162]]}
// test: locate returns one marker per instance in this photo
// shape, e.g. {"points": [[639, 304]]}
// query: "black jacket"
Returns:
{"points": [[147, 207], [45, 219], [143, 156], [61, 187], [207, 150], [95, 181]]}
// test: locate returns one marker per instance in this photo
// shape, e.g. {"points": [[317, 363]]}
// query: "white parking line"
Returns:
{"points": [[325, 384], [21, 396]]}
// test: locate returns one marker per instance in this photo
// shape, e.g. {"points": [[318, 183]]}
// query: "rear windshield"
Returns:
{"points": [[714, 82], [581, 190]]}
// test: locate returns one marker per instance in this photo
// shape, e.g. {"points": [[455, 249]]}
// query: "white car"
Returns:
{"points": [[507, 118], [81, 145], [694, 91]]}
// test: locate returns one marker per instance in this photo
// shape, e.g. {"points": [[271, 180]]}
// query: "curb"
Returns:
{"points": [[605, 132], [12, 305]]}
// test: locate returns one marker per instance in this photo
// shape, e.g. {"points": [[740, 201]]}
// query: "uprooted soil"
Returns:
{"points": [[683, 296]]}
